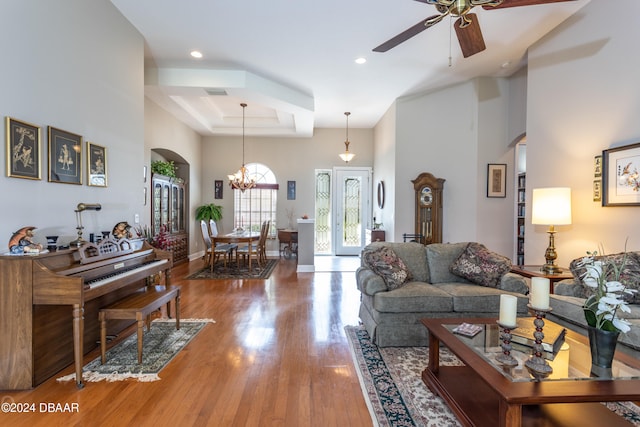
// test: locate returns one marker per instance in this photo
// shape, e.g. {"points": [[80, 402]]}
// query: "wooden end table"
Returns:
{"points": [[483, 393], [530, 271]]}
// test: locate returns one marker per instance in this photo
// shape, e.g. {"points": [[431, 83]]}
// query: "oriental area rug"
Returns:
{"points": [[391, 381], [233, 271], [161, 344]]}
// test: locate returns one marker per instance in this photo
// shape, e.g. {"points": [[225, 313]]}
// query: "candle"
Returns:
{"points": [[539, 293], [508, 308]]}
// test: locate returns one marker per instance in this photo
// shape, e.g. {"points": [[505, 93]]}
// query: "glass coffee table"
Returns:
{"points": [[484, 393]]}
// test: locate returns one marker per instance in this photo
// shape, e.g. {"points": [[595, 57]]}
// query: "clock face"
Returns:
{"points": [[426, 196]]}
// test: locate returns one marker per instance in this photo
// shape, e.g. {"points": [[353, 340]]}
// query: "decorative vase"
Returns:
{"points": [[603, 346]]}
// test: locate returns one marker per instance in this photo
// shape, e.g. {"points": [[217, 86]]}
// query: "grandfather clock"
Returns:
{"points": [[428, 191]]}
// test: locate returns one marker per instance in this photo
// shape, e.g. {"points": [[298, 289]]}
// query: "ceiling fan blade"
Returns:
{"points": [[470, 36], [516, 3], [406, 34]]}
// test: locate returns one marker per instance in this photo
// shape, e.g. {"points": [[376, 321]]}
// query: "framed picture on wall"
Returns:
{"points": [[96, 165], [65, 157], [291, 190], [23, 149], [621, 176], [597, 190], [497, 180], [217, 189], [597, 167]]}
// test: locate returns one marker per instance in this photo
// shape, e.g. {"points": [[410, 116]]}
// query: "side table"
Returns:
{"points": [[530, 271]]}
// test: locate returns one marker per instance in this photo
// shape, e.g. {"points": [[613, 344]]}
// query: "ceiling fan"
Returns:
{"points": [[466, 26]]}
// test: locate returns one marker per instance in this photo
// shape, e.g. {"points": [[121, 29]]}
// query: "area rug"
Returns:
{"points": [[161, 344], [232, 271], [391, 380]]}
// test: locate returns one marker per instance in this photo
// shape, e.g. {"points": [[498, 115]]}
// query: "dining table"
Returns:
{"points": [[238, 236]]}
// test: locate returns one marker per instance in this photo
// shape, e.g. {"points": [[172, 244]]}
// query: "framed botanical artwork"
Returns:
{"points": [[65, 157], [96, 165], [291, 190], [621, 176], [496, 180], [23, 149]]}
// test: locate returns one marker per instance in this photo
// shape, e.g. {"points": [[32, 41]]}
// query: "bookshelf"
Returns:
{"points": [[521, 209]]}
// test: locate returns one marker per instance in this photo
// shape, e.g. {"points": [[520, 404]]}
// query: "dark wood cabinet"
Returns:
{"points": [[375, 236], [428, 220], [168, 208]]}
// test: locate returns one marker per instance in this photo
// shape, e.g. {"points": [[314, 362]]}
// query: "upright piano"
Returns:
{"points": [[49, 304]]}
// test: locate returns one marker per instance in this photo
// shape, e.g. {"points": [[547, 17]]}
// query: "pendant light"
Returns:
{"points": [[240, 180], [347, 156]]}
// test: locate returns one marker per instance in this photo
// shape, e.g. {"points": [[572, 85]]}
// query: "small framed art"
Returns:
{"points": [[291, 190], [217, 189], [65, 157], [23, 149], [621, 176], [496, 180], [96, 165]]}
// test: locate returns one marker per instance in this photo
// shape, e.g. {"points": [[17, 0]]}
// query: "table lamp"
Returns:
{"points": [[551, 206]]}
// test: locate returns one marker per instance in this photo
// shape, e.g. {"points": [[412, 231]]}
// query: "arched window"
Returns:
{"points": [[252, 207]]}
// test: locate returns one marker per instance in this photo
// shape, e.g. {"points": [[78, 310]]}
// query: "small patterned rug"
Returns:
{"points": [[161, 344], [232, 271], [391, 380]]}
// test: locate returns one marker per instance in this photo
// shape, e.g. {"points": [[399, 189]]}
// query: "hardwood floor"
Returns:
{"points": [[276, 356]]}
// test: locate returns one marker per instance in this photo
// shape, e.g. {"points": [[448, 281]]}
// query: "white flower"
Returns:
{"points": [[601, 308]]}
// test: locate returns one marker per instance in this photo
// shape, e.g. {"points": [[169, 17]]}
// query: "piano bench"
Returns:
{"points": [[139, 306]]}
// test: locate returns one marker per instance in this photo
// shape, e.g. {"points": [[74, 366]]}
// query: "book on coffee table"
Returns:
{"points": [[522, 336]]}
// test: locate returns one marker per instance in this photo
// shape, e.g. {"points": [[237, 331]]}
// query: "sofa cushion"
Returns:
{"points": [[384, 262], [413, 254], [440, 256], [629, 276], [418, 297], [480, 265], [470, 298]]}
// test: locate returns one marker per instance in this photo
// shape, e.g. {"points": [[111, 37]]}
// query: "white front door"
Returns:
{"points": [[352, 209]]}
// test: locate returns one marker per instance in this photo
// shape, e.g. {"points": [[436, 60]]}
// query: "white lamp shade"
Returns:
{"points": [[551, 206]]}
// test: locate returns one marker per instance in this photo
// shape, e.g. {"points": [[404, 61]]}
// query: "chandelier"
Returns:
{"points": [[240, 180], [347, 156]]}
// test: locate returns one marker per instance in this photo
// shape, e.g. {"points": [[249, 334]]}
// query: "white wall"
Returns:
{"points": [[583, 97], [163, 131], [77, 66], [384, 170]]}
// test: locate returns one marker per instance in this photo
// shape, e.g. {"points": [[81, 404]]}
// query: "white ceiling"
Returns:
{"points": [[292, 61]]}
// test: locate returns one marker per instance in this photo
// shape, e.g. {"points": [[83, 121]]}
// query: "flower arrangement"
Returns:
{"points": [[160, 240], [601, 308]]}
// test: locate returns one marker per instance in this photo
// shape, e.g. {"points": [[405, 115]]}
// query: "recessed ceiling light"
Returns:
{"points": [[196, 54], [361, 60]]}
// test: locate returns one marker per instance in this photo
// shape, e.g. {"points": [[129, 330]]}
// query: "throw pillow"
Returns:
{"points": [[480, 265], [385, 262], [629, 276]]}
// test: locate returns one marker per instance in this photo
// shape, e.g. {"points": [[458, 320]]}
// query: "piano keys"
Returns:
{"points": [[51, 303]]}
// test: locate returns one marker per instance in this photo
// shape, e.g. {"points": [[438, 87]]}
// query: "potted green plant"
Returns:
{"points": [[209, 212], [164, 168]]}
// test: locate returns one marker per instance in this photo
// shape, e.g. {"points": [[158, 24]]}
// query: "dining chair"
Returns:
{"points": [[255, 249], [213, 251]]}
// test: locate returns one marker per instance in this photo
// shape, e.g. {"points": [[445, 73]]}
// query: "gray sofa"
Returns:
{"points": [[569, 297], [392, 316]]}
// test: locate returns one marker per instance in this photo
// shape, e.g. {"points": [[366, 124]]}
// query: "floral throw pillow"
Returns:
{"points": [[629, 276], [480, 265], [385, 262]]}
